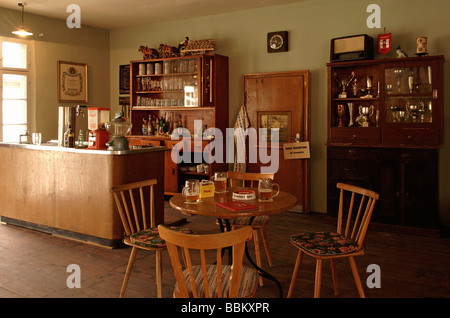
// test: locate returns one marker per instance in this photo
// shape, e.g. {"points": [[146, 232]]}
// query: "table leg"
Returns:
{"points": [[262, 272], [222, 229]]}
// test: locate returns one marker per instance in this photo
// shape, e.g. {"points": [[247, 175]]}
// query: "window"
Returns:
{"points": [[13, 90]]}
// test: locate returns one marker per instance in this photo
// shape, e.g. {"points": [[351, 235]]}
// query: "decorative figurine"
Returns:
{"points": [[168, 51], [400, 52], [148, 53]]}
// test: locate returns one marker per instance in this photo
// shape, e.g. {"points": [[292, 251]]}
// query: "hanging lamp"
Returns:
{"points": [[22, 31]]}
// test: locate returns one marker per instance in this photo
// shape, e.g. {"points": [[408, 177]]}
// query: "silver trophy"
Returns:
{"points": [[350, 113], [364, 113], [414, 110], [344, 82]]}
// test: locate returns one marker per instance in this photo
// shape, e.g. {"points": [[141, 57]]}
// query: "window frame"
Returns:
{"points": [[16, 71]]}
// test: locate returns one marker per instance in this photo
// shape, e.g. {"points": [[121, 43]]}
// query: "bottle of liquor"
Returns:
{"points": [[69, 138], [144, 127], [149, 126]]}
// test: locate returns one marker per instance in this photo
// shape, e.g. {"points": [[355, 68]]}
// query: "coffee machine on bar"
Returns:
{"points": [[98, 135]]}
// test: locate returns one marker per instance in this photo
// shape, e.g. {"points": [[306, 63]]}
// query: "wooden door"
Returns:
{"points": [[284, 94]]}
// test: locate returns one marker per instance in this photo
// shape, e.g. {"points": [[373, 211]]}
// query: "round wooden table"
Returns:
{"points": [[208, 207]]}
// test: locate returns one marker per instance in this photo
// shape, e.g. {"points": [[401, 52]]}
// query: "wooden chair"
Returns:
{"points": [[214, 280], [250, 179], [346, 242], [139, 225]]}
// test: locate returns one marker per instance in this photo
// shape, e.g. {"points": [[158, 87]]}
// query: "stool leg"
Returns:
{"points": [[356, 277], [257, 253], [318, 278], [159, 273], [294, 274], [128, 271], [334, 275]]}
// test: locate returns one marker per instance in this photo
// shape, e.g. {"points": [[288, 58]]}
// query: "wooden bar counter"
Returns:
{"points": [[66, 191]]}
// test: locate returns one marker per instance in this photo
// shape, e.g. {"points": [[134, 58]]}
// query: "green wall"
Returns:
{"points": [[311, 24]]}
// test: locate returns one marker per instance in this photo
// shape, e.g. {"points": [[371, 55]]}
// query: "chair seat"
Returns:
{"points": [[150, 237], [249, 281], [257, 221], [324, 243]]}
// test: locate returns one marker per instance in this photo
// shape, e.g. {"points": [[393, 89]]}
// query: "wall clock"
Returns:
{"points": [[277, 41]]}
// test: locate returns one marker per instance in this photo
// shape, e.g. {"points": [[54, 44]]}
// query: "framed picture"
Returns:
{"points": [[72, 82], [280, 121], [124, 79]]}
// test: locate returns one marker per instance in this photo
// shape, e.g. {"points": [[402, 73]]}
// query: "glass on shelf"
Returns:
{"points": [[409, 110], [411, 80]]}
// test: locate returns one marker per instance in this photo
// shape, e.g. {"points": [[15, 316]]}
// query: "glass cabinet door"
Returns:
{"points": [[167, 83], [409, 95]]}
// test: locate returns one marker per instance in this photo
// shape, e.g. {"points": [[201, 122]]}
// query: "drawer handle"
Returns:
{"points": [[354, 137], [409, 137]]}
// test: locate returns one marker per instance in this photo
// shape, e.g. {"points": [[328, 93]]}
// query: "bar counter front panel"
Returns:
{"points": [[66, 191]]}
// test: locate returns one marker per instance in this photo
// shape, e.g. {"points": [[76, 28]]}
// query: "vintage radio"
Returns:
{"points": [[349, 48]]}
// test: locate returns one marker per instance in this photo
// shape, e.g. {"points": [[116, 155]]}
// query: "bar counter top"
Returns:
{"points": [[67, 191], [54, 147]]}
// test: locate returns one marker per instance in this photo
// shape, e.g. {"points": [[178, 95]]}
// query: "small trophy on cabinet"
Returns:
{"points": [[344, 82]]}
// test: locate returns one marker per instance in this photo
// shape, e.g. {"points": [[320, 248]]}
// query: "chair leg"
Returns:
{"points": [[318, 278], [257, 253], [356, 277], [128, 271], [159, 273], [295, 273], [334, 275], [266, 244]]}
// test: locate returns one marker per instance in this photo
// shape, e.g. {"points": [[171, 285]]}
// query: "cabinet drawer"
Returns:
{"points": [[411, 137], [354, 153], [367, 136]]}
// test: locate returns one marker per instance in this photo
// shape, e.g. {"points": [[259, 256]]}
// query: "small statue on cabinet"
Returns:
{"points": [[183, 44], [168, 51], [400, 52], [148, 53]]}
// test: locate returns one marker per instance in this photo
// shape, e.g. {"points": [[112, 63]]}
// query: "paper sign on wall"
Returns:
{"points": [[296, 150]]}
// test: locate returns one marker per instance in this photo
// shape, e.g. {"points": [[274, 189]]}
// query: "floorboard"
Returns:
{"points": [[34, 264]]}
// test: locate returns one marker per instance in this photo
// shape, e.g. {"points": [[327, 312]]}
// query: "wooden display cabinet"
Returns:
{"points": [[387, 138], [181, 90]]}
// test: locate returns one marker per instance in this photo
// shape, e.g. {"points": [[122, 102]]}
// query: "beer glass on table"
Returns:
{"points": [[191, 191], [220, 182], [265, 190]]}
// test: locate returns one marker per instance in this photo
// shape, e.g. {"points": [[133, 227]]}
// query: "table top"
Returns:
{"points": [[282, 202]]}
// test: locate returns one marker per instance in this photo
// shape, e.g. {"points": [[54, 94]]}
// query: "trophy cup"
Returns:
{"points": [[350, 113], [411, 82], [399, 73], [341, 114], [344, 82], [402, 115], [369, 86], [364, 113], [414, 110]]}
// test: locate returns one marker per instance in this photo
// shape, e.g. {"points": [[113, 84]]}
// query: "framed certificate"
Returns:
{"points": [[72, 82]]}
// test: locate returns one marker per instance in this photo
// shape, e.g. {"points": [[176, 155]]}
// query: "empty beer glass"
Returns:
{"points": [[191, 191], [265, 190]]}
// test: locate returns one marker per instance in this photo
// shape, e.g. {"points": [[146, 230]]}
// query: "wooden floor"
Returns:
{"points": [[34, 264]]}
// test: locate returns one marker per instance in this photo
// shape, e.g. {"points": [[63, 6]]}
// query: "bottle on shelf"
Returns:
{"points": [[150, 126], [69, 138], [144, 127]]}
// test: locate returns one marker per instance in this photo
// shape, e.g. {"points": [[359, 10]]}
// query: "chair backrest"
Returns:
{"points": [[356, 225], [249, 179], [189, 244], [131, 201]]}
